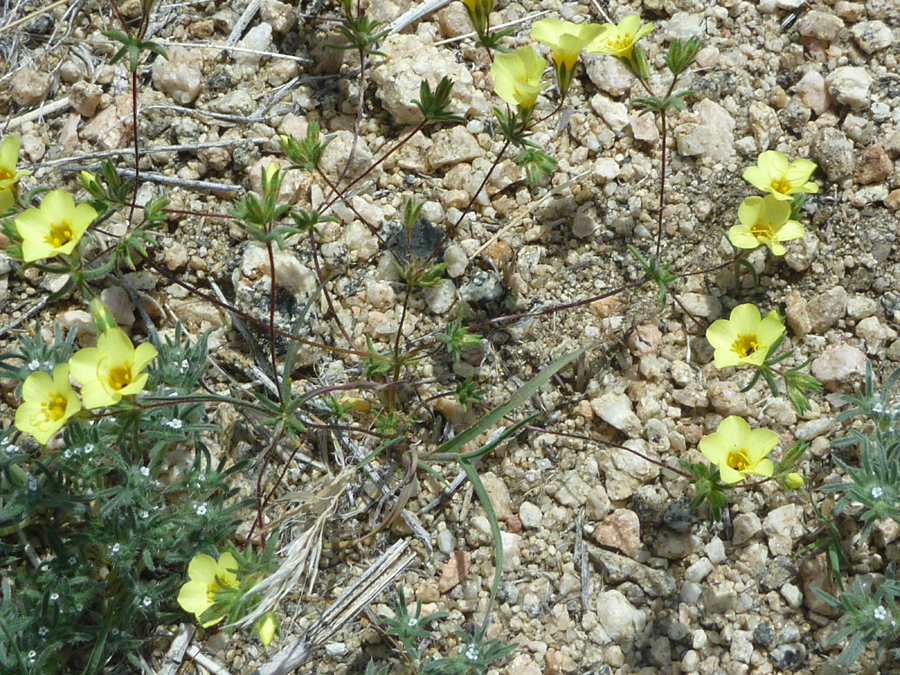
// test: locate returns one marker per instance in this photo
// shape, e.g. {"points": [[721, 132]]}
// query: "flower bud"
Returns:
{"points": [[794, 481], [103, 318]]}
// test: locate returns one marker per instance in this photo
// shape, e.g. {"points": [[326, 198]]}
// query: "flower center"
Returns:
{"points": [[622, 41], [5, 174], [745, 344], [763, 230], [781, 184], [54, 408], [738, 460], [120, 376], [60, 234]]}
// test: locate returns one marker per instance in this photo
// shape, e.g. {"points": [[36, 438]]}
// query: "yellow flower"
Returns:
{"points": [[619, 40], [773, 174], [566, 40], [54, 228], [517, 77], [112, 369], [794, 481], [738, 451], [207, 577], [765, 221], [9, 177], [745, 338], [266, 628], [46, 403]]}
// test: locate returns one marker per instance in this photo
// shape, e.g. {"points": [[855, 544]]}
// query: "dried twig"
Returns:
{"points": [[48, 109], [241, 25], [177, 650], [152, 177], [368, 587]]}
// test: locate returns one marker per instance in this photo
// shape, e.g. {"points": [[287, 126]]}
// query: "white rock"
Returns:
{"points": [[699, 304], [279, 15], [585, 224], [530, 515], [615, 114], [380, 294], [618, 617], [820, 25], [28, 87], [783, 527], [873, 36], [711, 135], [237, 102], [837, 365], [511, 545], [179, 76], [615, 409], [608, 74], [453, 146], [698, 571], [741, 647], [334, 159], [746, 526], [257, 39], [440, 298], [811, 90], [690, 592], [456, 259], [605, 169], [715, 550], [807, 431], [644, 127], [793, 595], [684, 26], [498, 493], [413, 58], [850, 85], [85, 97], [119, 303]]}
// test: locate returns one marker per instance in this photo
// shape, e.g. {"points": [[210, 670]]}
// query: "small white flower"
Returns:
{"points": [[67, 454], [34, 364], [43, 630], [45, 567], [200, 509], [12, 448], [880, 613], [114, 549], [145, 471], [73, 560], [184, 366], [89, 448], [32, 655], [32, 484], [173, 424], [54, 597], [144, 514], [877, 492], [147, 601], [472, 652], [412, 622]]}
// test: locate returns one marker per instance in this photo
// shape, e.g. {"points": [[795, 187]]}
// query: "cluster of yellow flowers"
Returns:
{"points": [[745, 338], [208, 578], [766, 221], [517, 76], [107, 372]]}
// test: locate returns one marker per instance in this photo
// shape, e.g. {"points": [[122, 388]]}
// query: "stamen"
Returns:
{"points": [[745, 344]]}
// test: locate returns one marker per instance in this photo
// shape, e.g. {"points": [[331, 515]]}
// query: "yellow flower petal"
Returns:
{"points": [[739, 451], [194, 597], [203, 569], [226, 569], [267, 627], [47, 404]]}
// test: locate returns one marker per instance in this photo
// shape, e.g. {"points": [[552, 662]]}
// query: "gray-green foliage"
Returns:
{"points": [[94, 538], [875, 484]]}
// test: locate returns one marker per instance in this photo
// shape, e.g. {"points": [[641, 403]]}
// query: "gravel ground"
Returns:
{"points": [[668, 592]]}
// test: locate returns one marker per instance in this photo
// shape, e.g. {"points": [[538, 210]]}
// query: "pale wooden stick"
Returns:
{"points": [[369, 586]]}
